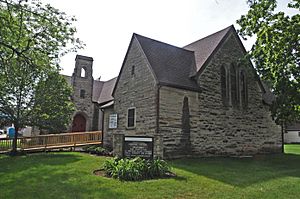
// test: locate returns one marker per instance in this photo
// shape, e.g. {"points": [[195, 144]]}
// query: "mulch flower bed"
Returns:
{"points": [[101, 172]]}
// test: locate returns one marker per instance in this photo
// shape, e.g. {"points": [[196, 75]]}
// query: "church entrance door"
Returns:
{"points": [[79, 123]]}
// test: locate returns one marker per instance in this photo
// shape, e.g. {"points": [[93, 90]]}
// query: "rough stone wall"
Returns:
{"points": [[95, 119], [136, 90], [83, 105], [170, 120], [107, 132], [214, 129], [227, 130]]}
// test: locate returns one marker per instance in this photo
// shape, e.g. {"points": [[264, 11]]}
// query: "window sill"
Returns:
{"points": [[130, 128]]}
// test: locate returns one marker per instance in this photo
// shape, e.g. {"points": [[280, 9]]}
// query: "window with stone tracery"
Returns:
{"points": [[224, 86], [233, 86], [244, 89]]}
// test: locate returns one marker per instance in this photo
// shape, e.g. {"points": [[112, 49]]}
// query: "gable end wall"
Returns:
{"points": [[139, 91], [226, 130]]}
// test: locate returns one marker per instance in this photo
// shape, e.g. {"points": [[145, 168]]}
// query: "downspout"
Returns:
{"points": [[158, 136], [102, 126], [157, 108]]}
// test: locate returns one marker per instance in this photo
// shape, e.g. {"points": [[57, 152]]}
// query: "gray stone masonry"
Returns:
{"points": [[136, 89], [170, 119], [216, 130], [224, 130], [118, 144], [83, 105], [107, 132]]}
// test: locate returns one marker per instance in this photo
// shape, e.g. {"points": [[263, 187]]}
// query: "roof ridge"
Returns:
{"points": [[110, 79], [228, 28], [204, 48], [180, 48]]}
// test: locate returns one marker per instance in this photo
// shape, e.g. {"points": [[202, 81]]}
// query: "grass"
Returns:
{"points": [[292, 148], [69, 175], [6, 145]]}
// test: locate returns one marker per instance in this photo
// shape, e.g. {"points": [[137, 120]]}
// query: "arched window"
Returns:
{"points": [[224, 86], [244, 89], [234, 93], [83, 72], [185, 116]]}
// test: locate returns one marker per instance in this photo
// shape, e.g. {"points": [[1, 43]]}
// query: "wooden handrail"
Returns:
{"points": [[61, 134], [54, 140]]}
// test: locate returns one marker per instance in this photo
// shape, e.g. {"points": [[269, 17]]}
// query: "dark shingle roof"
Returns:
{"points": [[171, 65], [106, 92], [205, 47], [97, 89]]}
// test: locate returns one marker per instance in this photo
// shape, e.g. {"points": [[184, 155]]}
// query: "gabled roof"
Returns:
{"points": [[97, 89], [171, 65], [106, 92], [205, 47], [176, 67]]}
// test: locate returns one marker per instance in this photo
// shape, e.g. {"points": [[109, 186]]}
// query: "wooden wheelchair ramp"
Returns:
{"points": [[53, 141]]}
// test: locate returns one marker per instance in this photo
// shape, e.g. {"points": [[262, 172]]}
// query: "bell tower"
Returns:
{"points": [[82, 83]]}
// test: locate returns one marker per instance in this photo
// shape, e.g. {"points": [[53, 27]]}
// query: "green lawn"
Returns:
{"points": [[292, 148], [69, 175]]}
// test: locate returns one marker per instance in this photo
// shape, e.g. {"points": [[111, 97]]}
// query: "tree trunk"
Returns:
{"points": [[282, 136], [15, 144]]}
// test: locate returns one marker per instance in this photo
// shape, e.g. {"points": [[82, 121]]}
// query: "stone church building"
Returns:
{"points": [[203, 99], [88, 95]]}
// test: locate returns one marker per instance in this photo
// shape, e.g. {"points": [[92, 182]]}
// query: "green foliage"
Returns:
{"points": [[36, 33], [33, 38], [292, 149], [95, 149], [276, 53], [53, 108], [135, 169], [157, 167]]}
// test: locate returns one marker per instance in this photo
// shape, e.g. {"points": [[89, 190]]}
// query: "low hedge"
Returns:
{"points": [[135, 169], [96, 149]]}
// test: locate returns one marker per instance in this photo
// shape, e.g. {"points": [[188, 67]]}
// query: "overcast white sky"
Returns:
{"points": [[106, 26]]}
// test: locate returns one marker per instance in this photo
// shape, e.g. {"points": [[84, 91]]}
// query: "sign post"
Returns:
{"points": [[136, 146]]}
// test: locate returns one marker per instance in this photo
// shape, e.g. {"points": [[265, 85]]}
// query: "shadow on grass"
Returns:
{"points": [[180, 178], [50, 175], [21, 163], [243, 172]]}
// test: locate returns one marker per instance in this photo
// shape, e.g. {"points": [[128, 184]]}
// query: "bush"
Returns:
{"points": [[95, 149], [135, 169], [158, 168]]}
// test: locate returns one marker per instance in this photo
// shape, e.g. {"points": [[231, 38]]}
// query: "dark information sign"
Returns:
{"points": [[136, 146]]}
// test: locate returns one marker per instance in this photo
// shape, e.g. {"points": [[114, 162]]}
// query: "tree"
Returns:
{"points": [[53, 107], [276, 53], [33, 37]]}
